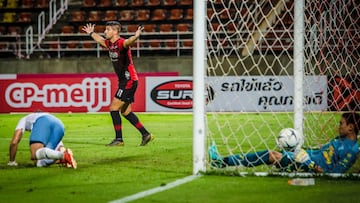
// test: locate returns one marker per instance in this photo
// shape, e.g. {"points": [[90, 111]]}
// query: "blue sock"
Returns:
{"points": [[248, 160]]}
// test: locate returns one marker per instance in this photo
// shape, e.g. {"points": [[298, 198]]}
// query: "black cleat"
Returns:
{"points": [[116, 142], [146, 139]]}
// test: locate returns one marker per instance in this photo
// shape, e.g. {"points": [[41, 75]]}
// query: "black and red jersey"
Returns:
{"points": [[122, 60]]}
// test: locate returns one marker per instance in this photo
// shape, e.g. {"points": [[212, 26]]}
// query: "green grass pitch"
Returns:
{"points": [[109, 173]]}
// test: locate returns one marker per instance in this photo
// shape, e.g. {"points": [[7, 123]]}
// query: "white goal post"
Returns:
{"points": [[263, 65]]}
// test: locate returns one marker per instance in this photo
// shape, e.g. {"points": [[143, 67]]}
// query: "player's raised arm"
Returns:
{"points": [[128, 42], [89, 28]]}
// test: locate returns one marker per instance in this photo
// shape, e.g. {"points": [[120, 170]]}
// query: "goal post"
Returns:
{"points": [[199, 64], [299, 33], [263, 65]]}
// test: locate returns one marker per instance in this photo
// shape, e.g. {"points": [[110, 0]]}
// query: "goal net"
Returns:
{"points": [[250, 73]]}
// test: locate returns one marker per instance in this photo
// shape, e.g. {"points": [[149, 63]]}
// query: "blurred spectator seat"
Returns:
{"points": [[99, 29], [42, 3], [226, 14], [66, 29], [9, 17], [155, 43], [188, 43], [217, 1], [210, 13], [159, 14], [127, 15], [95, 16], [176, 14], [111, 15], [12, 4], [72, 44], [89, 3], [78, 16], [166, 27], [80, 31], [169, 2], [150, 28], [24, 17], [183, 27], [88, 44], [153, 3], [121, 3], [2, 30], [27, 3], [137, 3], [189, 14], [137, 44], [186, 2], [105, 3], [2, 3], [215, 26], [231, 27], [14, 30], [132, 28], [4, 45], [171, 43], [143, 15], [54, 45]]}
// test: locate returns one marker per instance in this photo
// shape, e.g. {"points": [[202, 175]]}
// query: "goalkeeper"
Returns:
{"points": [[336, 156]]}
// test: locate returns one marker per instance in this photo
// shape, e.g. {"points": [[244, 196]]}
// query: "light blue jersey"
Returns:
{"points": [[337, 156], [45, 128]]}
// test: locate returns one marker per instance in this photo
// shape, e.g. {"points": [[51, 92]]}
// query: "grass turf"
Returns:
{"points": [[109, 173]]}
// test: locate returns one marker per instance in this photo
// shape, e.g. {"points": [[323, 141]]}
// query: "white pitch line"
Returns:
{"points": [[156, 190]]}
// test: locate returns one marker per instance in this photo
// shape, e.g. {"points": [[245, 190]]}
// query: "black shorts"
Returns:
{"points": [[126, 91]]}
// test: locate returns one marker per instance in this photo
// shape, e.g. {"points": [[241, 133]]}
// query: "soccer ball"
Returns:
{"points": [[289, 139]]}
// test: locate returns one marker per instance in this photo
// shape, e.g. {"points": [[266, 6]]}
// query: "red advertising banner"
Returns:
{"points": [[65, 92]]}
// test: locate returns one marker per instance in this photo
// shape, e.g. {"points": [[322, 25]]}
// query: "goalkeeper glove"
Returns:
{"points": [[301, 156]]}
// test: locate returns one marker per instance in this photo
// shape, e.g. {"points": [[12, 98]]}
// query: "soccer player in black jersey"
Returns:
{"points": [[120, 56]]}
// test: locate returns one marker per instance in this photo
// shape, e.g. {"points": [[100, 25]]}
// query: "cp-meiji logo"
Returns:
{"points": [[175, 94]]}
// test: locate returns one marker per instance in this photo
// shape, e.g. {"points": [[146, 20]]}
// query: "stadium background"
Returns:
{"points": [[165, 45]]}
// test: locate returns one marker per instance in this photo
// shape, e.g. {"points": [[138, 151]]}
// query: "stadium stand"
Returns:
{"points": [[127, 15], [159, 15], [135, 3], [89, 3], [186, 2], [153, 3], [27, 3], [143, 15], [42, 4], [176, 14], [111, 15], [25, 17], [131, 28], [189, 14], [105, 3], [95, 16], [163, 21], [166, 27], [121, 3], [170, 2], [78, 16], [67, 29]]}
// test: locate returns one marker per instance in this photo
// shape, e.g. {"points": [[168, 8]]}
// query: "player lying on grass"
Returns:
{"points": [[336, 156], [46, 133]]}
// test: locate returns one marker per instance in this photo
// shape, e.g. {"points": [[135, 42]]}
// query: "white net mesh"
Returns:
{"points": [[250, 71]]}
